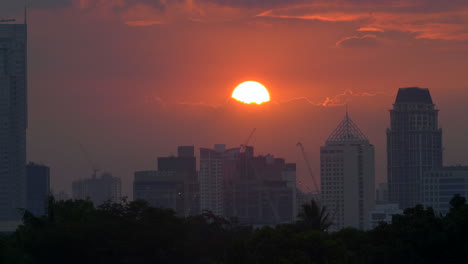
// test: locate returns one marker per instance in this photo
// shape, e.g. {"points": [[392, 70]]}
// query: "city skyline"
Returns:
{"points": [[139, 111]]}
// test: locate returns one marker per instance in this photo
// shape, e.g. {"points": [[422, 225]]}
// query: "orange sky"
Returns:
{"points": [[131, 79]]}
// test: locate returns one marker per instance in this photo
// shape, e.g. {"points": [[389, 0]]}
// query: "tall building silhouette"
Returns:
{"points": [[414, 145], [347, 176], [173, 186], [13, 119], [38, 188]]}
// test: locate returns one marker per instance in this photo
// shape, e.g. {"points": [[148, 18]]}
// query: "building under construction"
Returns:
{"points": [[257, 190]]}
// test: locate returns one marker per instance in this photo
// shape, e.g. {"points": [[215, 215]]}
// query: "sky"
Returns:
{"points": [[131, 79]]}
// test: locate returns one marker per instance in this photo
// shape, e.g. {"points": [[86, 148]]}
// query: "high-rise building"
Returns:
{"points": [[211, 178], [438, 187], [347, 176], [98, 190], [257, 190], [173, 186], [38, 188], [160, 189], [414, 145], [13, 120]]}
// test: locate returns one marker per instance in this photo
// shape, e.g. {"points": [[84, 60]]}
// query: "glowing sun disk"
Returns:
{"points": [[251, 92]]}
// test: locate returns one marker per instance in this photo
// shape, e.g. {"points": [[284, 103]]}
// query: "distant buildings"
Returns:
{"points": [[383, 213], [256, 190], [347, 176], [13, 116], [38, 188], [174, 185], [98, 190], [438, 187], [414, 145]]}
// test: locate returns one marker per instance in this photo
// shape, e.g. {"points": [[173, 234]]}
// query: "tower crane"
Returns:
{"points": [[309, 168], [246, 142], [93, 165]]}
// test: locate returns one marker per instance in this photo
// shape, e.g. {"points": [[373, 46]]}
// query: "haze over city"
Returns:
{"points": [[233, 131], [131, 80]]}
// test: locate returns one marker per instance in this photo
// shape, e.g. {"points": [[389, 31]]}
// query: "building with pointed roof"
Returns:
{"points": [[347, 176]]}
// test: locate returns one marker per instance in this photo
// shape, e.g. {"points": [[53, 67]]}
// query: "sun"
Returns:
{"points": [[251, 92]]}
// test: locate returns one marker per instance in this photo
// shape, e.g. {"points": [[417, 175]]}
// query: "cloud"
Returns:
{"points": [[371, 29], [420, 18], [366, 41]]}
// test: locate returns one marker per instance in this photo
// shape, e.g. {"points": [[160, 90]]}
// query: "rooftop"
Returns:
{"points": [[347, 132], [413, 95]]}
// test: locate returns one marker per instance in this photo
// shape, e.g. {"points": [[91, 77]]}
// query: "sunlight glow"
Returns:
{"points": [[251, 92]]}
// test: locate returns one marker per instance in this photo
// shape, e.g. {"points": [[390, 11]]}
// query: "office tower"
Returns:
{"points": [[98, 190], [211, 178], [13, 116], [438, 187], [38, 188], [347, 176], [414, 145]]}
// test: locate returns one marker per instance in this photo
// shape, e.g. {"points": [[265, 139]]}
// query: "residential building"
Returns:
{"points": [[38, 188], [414, 145], [438, 187], [347, 176], [98, 190], [13, 120], [212, 179], [257, 190]]}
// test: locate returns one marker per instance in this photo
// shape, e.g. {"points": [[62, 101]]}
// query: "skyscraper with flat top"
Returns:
{"points": [[13, 120], [414, 145], [347, 176]]}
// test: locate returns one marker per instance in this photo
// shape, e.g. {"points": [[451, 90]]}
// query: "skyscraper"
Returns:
{"points": [[13, 119], [211, 177], [414, 145], [347, 176], [38, 188]]}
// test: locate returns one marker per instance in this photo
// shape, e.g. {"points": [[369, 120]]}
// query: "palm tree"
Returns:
{"points": [[314, 216]]}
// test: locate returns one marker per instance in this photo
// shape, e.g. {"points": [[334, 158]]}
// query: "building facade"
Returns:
{"points": [[212, 178], [383, 213], [440, 185], [347, 176], [13, 120], [98, 190], [414, 145], [38, 188], [173, 186], [159, 189], [256, 190]]}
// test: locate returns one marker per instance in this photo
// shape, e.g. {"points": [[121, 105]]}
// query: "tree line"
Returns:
{"points": [[75, 231]]}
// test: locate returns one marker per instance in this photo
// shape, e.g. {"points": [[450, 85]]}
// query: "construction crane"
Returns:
{"points": [[6, 20], [93, 165], [246, 142], [309, 168]]}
